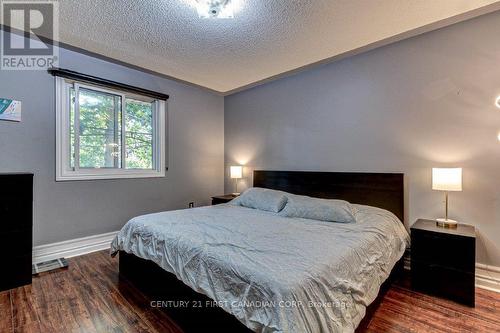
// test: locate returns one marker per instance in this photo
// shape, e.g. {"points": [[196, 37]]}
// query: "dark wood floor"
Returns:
{"points": [[88, 297]]}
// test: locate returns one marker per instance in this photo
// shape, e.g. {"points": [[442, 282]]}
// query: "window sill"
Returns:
{"points": [[71, 176]]}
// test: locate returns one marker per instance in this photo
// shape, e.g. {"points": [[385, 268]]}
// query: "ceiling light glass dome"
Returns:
{"points": [[216, 8]]}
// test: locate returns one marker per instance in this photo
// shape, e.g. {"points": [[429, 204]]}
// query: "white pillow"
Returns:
{"points": [[330, 210], [261, 198]]}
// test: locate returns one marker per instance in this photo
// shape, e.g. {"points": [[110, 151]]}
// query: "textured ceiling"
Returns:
{"points": [[265, 39]]}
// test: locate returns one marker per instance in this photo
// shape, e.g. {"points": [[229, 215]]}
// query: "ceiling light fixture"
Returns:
{"points": [[216, 8], [497, 102]]}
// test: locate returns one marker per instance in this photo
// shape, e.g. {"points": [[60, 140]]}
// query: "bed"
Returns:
{"points": [[246, 269]]}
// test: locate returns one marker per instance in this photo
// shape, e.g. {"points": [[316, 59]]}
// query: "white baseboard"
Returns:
{"points": [[488, 277], [73, 247]]}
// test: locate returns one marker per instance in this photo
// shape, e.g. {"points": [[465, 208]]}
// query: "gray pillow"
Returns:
{"points": [[261, 198], [318, 209]]}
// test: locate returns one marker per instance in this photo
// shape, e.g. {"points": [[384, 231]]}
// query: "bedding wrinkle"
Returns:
{"points": [[273, 273]]}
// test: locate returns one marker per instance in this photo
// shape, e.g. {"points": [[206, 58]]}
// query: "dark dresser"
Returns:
{"points": [[443, 260], [16, 231]]}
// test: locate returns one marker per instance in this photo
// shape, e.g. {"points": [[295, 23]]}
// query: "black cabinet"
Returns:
{"points": [[222, 198], [16, 230], [443, 260]]}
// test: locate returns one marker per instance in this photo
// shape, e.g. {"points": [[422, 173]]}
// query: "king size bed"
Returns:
{"points": [[272, 260]]}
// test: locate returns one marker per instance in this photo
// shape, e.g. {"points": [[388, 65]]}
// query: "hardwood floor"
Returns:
{"points": [[403, 310], [89, 297], [86, 297]]}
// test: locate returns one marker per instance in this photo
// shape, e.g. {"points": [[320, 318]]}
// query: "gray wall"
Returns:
{"points": [[66, 210], [421, 103]]}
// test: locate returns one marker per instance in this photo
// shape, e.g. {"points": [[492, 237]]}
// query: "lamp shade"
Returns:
{"points": [[447, 179], [236, 171]]}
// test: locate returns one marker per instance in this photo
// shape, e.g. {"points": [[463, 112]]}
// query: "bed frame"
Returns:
{"points": [[384, 190]]}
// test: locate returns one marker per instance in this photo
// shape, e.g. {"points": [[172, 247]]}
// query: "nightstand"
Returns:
{"points": [[443, 260], [222, 198]]}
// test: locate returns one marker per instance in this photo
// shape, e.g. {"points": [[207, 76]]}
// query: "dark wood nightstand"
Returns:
{"points": [[443, 260], [219, 199]]}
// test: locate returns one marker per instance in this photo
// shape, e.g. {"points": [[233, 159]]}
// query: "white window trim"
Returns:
{"points": [[63, 171]]}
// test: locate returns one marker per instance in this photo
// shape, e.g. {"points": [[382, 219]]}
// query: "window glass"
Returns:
{"points": [[139, 134]]}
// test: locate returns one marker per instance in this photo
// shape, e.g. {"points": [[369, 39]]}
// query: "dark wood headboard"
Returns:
{"points": [[383, 190]]}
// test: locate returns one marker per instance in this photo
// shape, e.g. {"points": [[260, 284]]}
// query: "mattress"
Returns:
{"points": [[273, 273]]}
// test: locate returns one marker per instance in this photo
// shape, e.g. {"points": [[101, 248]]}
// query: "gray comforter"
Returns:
{"points": [[275, 274]]}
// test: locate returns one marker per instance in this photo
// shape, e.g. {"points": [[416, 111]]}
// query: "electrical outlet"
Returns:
{"points": [[191, 205]]}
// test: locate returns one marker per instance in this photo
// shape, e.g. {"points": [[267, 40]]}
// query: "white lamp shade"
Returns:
{"points": [[447, 179], [236, 171]]}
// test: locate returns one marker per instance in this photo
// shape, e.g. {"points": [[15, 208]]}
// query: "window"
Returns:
{"points": [[105, 133]]}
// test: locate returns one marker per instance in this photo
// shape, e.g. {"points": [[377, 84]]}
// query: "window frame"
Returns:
{"points": [[64, 172]]}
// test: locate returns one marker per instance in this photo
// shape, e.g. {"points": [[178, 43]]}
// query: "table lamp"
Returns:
{"points": [[446, 179], [236, 172]]}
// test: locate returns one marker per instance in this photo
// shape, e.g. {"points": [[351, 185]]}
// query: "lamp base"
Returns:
{"points": [[446, 223], [236, 194]]}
